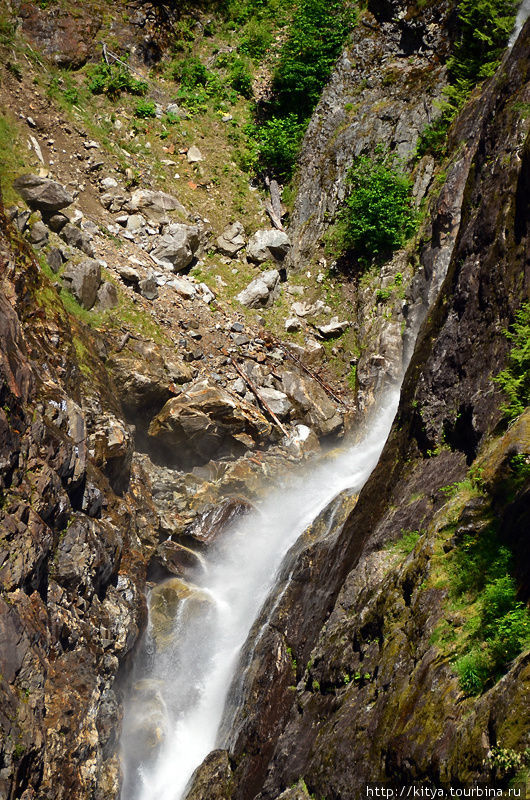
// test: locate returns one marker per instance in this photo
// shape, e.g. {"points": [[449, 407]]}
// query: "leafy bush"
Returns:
{"points": [[317, 34], [145, 109], [500, 630], [378, 216], [472, 670], [514, 380], [191, 72], [256, 40], [113, 79], [276, 144], [241, 78]]}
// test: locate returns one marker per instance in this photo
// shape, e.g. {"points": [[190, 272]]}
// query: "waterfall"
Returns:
{"points": [[181, 699], [523, 13]]}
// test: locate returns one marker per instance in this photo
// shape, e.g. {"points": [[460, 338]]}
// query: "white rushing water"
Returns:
{"points": [[192, 675], [523, 13]]}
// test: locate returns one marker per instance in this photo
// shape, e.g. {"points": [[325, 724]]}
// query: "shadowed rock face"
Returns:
{"points": [[71, 585]]}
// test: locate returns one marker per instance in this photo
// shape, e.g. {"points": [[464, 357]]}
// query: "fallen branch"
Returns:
{"points": [[313, 375], [260, 399]]}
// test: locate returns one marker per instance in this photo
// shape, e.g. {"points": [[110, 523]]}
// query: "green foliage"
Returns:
{"points": [[378, 216], [433, 138], [276, 144], [317, 34], [514, 380], [484, 29], [145, 109], [241, 78], [113, 79], [406, 542], [500, 627], [508, 761], [256, 40], [7, 30]]}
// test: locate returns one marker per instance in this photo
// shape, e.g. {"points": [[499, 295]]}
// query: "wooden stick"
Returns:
{"points": [[260, 400], [313, 375]]}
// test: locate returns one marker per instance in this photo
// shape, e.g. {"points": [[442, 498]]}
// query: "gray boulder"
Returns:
{"points": [[266, 244], [175, 249], [57, 222], [278, 402], [333, 328], [261, 291], [55, 259], [232, 240], [148, 288], [155, 205], [75, 237], [128, 274], [83, 280], [42, 193], [311, 403], [38, 234], [107, 296]]}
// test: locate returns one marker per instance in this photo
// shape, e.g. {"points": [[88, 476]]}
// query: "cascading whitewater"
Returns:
{"points": [[183, 693]]}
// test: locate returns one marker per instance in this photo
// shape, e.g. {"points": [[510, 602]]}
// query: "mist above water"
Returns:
{"points": [[182, 693]]}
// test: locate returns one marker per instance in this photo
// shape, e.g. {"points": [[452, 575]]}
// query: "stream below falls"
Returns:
{"points": [[182, 681]]}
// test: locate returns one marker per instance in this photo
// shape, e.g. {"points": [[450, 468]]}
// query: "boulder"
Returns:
{"points": [[55, 259], [128, 274], [155, 205], [146, 725], [333, 328], [175, 249], [135, 223], [56, 222], [83, 280], [261, 291], [311, 403], [194, 155], [277, 401], [170, 597], [204, 422], [107, 296], [42, 193], [145, 376], [75, 237], [148, 288], [292, 325], [232, 240], [38, 234], [216, 519], [267, 244]]}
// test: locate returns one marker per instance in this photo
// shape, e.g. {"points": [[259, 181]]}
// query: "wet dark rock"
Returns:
{"points": [[214, 521], [213, 779], [171, 558]]}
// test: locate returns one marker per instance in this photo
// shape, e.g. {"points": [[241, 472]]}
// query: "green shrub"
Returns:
{"points": [[317, 34], [256, 39], [113, 79], [276, 145], [191, 72], [241, 78], [514, 380], [473, 671], [7, 30], [145, 109], [377, 217], [500, 628]]}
